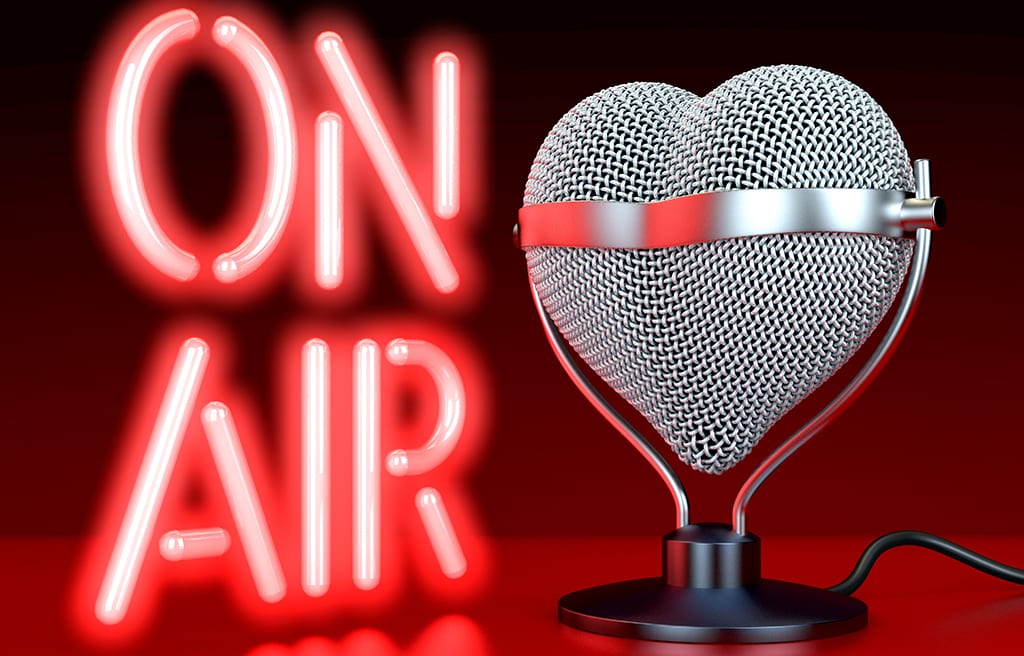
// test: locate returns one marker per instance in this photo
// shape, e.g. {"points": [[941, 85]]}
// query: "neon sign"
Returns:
{"points": [[343, 438]]}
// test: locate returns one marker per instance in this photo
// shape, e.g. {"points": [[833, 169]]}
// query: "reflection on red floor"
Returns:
{"points": [[920, 603]]}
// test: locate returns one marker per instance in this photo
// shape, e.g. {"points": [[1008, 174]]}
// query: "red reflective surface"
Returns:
{"points": [[919, 603]]}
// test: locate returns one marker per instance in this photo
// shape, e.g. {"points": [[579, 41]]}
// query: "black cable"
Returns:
{"points": [[928, 541]]}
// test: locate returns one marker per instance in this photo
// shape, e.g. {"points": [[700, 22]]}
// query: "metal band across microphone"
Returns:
{"points": [[726, 215]]}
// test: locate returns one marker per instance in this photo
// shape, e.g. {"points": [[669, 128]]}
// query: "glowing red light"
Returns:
{"points": [[451, 401], [148, 499], [123, 162], [244, 501], [379, 146], [438, 524], [446, 134], [449, 635], [366, 477], [165, 442], [236, 38], [143, 224], [316, 467], [193, 544], [329, 224], [122, 129], [257, 509]]}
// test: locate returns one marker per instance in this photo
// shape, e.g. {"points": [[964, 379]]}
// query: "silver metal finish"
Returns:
{"points": [[729, 214], [922, 178], [927, 213], [713, 342], [911, 295], [646, 449], [619, 144]]}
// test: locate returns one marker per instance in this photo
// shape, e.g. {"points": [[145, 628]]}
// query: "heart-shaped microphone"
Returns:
{"points": [[714, 341], [714, 260]]}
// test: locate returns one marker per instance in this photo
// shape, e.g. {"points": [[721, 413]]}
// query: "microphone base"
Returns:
{"points": [[711, 592], [771, 611]]}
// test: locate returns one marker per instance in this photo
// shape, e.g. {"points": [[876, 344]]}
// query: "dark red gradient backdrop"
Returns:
{"points": [[936, 443]]}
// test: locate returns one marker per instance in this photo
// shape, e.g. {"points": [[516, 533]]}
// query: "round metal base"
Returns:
{"points": [[769, 611]]}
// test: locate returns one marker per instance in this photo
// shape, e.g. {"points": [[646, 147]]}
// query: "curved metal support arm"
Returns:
{"points": [[653, 457], [915, 279]]}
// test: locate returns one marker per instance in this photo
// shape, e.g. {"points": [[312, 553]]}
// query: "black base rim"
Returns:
{"points": [[770, 611]]}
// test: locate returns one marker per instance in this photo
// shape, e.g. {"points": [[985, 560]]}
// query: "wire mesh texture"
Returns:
{"points": [[714, 342]]}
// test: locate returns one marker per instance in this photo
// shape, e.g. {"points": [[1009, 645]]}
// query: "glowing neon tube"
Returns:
{"points": [[279, 192]]}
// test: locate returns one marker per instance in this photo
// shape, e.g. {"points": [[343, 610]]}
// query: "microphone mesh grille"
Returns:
{"points": [[790, 127], [615, 145], [714, 342]]}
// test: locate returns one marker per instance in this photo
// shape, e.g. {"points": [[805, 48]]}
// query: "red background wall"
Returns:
{"points": [[934, 444]]}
